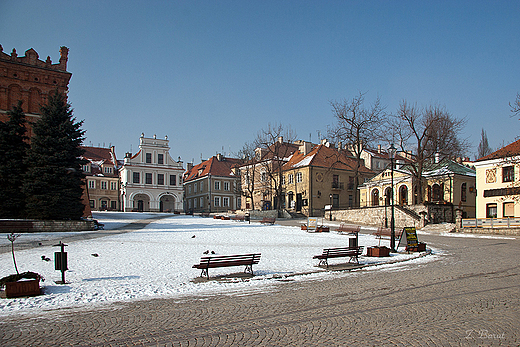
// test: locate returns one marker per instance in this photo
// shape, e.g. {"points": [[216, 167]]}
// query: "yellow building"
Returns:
{"points": [[498, 183], [446, 183]]}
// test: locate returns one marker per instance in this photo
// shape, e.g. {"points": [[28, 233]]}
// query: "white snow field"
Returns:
{"points": [[156, 261]]}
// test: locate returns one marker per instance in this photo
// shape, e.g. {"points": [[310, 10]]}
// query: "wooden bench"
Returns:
{"points": [[267, 220], [349, 229], [351, 252], [387, 232], [214, 261]]}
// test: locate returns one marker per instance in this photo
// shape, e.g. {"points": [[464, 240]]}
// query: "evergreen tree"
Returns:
{"points": [[54, 180], [13, 153]]}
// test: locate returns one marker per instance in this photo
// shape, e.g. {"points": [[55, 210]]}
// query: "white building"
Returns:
{"points": [[151, 180]]}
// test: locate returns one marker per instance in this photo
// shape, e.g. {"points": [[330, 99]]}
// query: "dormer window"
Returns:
{"points": [[107, 170], [86, 168]]}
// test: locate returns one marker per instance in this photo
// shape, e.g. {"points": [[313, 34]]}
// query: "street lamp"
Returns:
{"points": [[330, 211], [391, 152]]}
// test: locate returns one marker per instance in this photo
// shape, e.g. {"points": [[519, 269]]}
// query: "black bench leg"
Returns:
{"points": [[249, 268], [204, 272]]}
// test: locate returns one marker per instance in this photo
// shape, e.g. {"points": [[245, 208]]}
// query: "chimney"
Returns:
{"points": [[379, 149], [189, 166], [219, 157], [305, 147], [437, 158], [64, 57], [280, 139]]}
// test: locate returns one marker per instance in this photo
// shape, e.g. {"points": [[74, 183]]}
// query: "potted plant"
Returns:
{"points": [[20, 284]]}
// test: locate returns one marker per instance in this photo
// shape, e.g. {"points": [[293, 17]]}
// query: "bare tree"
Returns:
{"points": [[483, 148], [248, 171], [432, 133], [358, 127], [274, 145], [515, 106]]}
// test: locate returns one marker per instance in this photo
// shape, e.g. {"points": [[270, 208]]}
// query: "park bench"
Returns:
{"points": [[267, 220], [215, 261], [351, 252], [237, 218], [349, 229], [387, 232]]}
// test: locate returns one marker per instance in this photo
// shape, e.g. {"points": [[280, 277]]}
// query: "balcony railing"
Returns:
{"points": [[338, 185]]}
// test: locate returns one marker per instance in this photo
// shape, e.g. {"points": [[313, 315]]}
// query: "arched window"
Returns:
{"points": [[375, 197], [463, 192], [437, 192], [388, 196], [403, 195]]}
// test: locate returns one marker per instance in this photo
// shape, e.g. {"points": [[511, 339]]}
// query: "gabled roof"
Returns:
{"points": [[510, 150], [213, 166], [98, 154], [325, 157]]}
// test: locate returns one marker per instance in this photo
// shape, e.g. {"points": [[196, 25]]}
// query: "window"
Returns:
{"points": [[463, 192], [189, 189], [263, 177], [160, 158], [291, 178], [225, 202], [136, 178], [335, 200], [92, 203], [107, 170], [226, 187], [283, 179], [113, 185], [508, 174], [86, 168], [201, 186], [148, 178], [92, 184], [148, 158], [160, 179], [509, 209], [491, 211], [104, 185], [299, 177], [217, 185], [113, 205], [173, 180], [194, 203], [216, 201], [104, 204], [201, 202]]}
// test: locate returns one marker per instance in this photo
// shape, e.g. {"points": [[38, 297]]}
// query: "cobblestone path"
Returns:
{"points": [[469, 297]]}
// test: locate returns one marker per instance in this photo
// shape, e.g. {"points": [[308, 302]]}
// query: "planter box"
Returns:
{"points": [[378, 251], [22, 288], [421, 247]]}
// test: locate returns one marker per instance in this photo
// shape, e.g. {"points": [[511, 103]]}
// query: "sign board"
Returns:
{"points": [[312, 223], [328, 207], [411, 237]]}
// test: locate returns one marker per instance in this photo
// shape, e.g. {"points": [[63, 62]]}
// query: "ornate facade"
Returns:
{"points": [[151, 180], [30, 80]]}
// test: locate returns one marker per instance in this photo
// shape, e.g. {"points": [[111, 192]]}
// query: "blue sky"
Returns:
{"points": [[211, 74]]}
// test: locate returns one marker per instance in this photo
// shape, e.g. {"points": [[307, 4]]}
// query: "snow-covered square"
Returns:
{"points": [[157, 261]]}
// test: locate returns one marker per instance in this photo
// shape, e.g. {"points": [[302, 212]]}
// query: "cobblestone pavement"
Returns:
{"points": [[469, 297]]}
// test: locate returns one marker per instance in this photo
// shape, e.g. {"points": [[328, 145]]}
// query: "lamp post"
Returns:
{"points": [[392, 150], [330, 211]]}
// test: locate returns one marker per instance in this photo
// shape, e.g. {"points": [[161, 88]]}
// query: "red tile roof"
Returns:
{"points": [[326, 157], [510, 150], [97, 153], [222, 168]]}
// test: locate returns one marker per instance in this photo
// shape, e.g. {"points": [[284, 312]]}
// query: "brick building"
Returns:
{"points": [[31, 80]]}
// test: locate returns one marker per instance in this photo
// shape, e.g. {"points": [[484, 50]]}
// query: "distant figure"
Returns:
{"points": [[95, 255], [44, 258]]}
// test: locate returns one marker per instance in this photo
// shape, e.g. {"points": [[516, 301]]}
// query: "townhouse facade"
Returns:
{"points": [[31, 80], [321, 175], [151, 181], [213, 185], [498, 183], [102, 180]]}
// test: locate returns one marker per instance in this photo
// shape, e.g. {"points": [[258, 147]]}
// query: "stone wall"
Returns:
{"points": [[497, 231], [27, 226], [375, 216]]}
